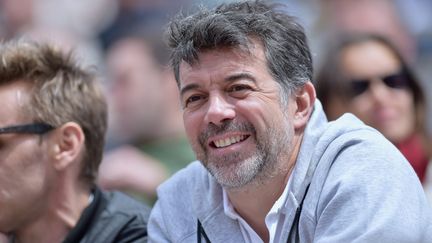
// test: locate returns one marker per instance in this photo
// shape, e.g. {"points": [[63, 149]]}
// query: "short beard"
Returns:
{"points": [[264, 164], [239, 174]]}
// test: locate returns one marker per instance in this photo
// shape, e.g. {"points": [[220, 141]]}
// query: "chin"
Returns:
{"points": [[236, 174]]}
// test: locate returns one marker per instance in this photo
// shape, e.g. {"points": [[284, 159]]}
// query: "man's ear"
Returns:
{"points": [[305, 99], [67, 146]]}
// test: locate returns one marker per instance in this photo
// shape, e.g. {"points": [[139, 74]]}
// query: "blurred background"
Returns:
{"points": [[122, 39]]}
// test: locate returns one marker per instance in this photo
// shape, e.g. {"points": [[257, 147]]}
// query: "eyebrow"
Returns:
{"points": [[228, 79], [187, 88], [238, 76]]}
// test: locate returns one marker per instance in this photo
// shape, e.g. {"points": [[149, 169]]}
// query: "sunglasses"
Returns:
{"points": [[395, 81], [34, 128]]}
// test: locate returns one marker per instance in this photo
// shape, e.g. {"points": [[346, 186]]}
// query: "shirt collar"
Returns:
{"points": [[279, 205]]}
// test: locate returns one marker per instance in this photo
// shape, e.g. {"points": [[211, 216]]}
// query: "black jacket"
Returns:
{"points": [[111, 217]]}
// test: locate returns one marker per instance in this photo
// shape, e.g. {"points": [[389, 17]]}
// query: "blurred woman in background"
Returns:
{"points": [[366, 75]]}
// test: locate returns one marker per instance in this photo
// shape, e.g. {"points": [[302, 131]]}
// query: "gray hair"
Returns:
{"points": [[235, 25]]}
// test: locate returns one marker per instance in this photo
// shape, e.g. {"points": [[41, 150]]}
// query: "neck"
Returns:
{"points": [[254, 211], [64, 211]]}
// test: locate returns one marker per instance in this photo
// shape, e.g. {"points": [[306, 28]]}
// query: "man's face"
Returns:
{"points": [[136, 90], [24, 172], [233, 116]]}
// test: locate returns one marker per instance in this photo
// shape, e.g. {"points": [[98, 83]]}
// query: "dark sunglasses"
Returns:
{"points": [[34, 128], [395, 81]]}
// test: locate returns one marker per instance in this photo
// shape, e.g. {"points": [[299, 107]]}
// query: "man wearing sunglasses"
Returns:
{"points": [[52, 129], [271, 167]]}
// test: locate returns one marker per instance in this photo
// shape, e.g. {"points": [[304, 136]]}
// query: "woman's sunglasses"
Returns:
{"points": [[395, 81]]}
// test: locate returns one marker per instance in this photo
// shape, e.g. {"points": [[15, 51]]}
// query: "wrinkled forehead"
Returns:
{"points": [[253, 47], [223, 61], [191, 55]]}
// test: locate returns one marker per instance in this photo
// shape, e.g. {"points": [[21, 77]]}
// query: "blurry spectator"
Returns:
{"points": [[17, 16], [367, 75], [418, 18], [3, 238], [80, 17], [406, 23], [148, 15], [69, 24], [367, 16], [417, 15], [146, 114], [53, 122]]}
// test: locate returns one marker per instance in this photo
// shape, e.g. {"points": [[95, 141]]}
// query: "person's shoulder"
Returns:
{"points": [[325, 137], [359, 156], [125, 213], [118, 202], [190, 192], [359, 166], [349, 131], [190, 189], [354, 139], [351, 149], [349, 123], [120, 219]]}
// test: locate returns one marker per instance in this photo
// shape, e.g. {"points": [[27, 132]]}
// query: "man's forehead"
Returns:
{"points": [[16, 99], [227, 57]]}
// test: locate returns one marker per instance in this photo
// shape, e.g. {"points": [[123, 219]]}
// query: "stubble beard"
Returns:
{"points": [[234, 172]]}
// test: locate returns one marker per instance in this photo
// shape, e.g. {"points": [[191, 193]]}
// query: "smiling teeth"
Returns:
{"points": [[228, 141]]}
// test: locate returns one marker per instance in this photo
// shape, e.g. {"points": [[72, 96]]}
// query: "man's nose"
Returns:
{"points": [[219, 110]]}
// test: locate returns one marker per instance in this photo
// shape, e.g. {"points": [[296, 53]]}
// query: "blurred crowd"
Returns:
{"points": [[122, 39]]}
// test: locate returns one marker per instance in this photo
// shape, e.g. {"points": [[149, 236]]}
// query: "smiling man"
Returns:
{"points": [[245, 129], [271, 168]]}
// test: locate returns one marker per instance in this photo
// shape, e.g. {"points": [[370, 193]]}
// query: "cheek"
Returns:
{"points": [[8, 182], [404, 100], [192, 123], [406, 108], [362, 107], [20, 181], [25, 176], [261, 114]]}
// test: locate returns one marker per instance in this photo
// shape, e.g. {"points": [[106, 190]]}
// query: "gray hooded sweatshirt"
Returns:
{"points": [[361, 189]]}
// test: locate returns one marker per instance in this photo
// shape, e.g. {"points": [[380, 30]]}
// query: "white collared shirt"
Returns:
{"points": [[274, 219]]}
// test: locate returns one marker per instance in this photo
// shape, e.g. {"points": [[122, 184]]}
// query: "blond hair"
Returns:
{"points": [[61, 91]]}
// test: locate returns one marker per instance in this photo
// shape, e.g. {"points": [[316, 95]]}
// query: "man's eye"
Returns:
{"points": [[236, 88], [192, 99]]}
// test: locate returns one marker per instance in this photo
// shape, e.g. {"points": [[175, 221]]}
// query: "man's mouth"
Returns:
{"points": [[225, 142]]}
